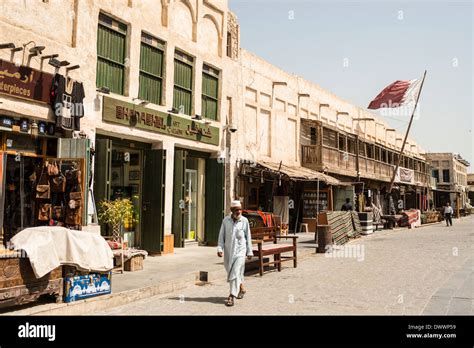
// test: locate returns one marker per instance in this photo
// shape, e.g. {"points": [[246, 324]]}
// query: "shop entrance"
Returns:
{"points": [[129, 169], [198, 197], [194, 199]]}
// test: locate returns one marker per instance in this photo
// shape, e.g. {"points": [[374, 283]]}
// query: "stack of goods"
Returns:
{"points": [[423, 218], [340, 223], [356, 225], [410, 219], [432, 216]]}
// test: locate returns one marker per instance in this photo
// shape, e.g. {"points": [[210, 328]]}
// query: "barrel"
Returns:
{"points": [[366, 223], [324, 238]]}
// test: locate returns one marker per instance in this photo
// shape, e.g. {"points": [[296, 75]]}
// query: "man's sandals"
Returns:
{"points": [[230, 301], [241, 293]]}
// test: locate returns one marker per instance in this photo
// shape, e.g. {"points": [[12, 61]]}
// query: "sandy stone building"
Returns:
{"points": [[450, 173], [176, 112]]}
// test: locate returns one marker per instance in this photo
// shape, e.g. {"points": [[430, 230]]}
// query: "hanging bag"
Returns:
{"points": [[44, 212], [53, 169], [74, 213], [43, 191], [76, 194], [58, 213], [58, 182]]}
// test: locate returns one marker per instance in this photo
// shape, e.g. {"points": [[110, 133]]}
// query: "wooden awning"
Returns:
{"points": [[301, 173]]}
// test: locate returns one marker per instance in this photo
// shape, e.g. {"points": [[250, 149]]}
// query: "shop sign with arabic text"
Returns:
{"points": [[136, 116], [24, 82]]}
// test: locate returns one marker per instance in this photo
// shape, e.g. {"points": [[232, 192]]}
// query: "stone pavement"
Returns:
{"points": [[427, 270], [161, 274]]}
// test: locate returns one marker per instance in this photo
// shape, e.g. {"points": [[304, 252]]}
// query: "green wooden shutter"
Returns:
{"points": [[183, 85], [153, 203], [110, 59], [102, 172], [151, 74], [214, 200], [209, 96], [179, 177]]}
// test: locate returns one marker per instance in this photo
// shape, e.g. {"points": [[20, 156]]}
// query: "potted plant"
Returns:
{"points": [[115, 213]]}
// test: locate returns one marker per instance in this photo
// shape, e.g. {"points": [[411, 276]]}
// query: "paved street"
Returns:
{"points": [[423, 271]]}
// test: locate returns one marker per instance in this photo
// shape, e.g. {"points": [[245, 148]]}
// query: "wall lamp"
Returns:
{"points": [[72, 68], [9, 45], [34, 51], [13, 50], [58, 63], [141, 102], [51, 56], [103, 90]]}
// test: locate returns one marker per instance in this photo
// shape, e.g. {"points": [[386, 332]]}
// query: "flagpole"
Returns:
{"points": [[406, 136]]}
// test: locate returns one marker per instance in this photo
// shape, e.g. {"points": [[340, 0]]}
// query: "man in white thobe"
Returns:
{"points": [[235, 243]]}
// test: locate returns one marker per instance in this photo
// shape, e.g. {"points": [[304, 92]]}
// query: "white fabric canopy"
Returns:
{"points": [[50, 247]]}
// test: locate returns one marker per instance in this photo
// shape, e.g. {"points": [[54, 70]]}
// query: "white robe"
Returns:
{"points": [[236, 243]]}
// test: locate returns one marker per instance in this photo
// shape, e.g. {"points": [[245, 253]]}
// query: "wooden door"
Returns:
{"points": [[153, 203], [179, 177], [215, 189]]}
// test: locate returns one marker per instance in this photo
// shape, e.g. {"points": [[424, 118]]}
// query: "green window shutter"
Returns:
{"points": [[214, 206], [183, 84], [209, 96], [110, 58], [179, 178], [151, 74]]}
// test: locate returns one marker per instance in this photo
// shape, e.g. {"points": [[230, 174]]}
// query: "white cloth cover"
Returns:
{"points": [[50, 247]]}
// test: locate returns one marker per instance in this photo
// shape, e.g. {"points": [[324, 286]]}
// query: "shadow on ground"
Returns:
{"points": [[216, 300]]}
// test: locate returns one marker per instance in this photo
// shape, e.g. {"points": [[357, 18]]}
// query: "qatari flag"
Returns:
{"points": [[397, 94]]}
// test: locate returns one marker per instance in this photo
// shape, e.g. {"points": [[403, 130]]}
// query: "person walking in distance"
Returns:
{"points": [[234, 244], [448, 214]]}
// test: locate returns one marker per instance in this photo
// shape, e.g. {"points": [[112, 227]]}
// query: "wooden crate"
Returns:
{"points": [[134, 264]]}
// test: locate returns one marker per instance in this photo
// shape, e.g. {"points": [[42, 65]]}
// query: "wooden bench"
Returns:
{"points": [[261, 236]]}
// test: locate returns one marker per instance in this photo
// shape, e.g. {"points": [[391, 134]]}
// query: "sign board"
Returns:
{"points": [[405, 176], [136, 116], [24, 82]]}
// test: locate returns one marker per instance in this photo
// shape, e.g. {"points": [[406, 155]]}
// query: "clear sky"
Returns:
{"points": [[382, 41]]}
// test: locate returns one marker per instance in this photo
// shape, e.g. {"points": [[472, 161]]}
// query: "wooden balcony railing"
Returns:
{"points": [[346, 164], [309, 155]]}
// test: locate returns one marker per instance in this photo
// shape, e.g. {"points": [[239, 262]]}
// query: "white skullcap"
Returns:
{"points": [[235, 204]]}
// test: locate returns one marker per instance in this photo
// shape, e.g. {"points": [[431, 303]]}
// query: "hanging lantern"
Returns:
{"points": [[34, 129]]}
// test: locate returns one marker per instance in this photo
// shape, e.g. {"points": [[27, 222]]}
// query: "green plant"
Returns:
{"points": [[115, 213]]}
